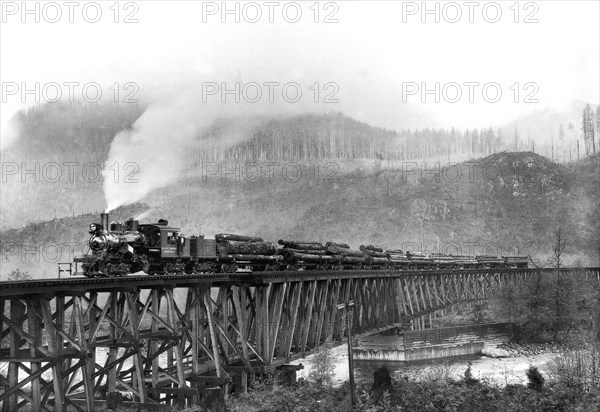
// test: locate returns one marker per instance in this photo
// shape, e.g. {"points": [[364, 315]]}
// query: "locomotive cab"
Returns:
{"points": [[163, 241], [168, 250]]}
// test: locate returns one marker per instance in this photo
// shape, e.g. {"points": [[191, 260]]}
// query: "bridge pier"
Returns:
{"points": [[156, 340]]}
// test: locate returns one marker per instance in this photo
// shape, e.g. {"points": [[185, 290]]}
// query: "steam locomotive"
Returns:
{"points": [[118, 249]]}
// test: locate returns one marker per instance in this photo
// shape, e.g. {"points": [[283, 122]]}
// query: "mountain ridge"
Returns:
{"points": [[513, 212]]}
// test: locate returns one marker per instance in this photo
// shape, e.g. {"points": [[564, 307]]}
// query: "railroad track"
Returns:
{"points": [[84, 284]]}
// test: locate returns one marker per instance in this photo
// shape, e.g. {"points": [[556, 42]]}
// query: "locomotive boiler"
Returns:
{"points": [[118, 249]]}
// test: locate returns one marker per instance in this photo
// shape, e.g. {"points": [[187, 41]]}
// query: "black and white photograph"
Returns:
{"points": [[300, 206]]}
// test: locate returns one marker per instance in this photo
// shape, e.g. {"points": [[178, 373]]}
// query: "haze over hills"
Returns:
{"points": [[310, 176], [54, 168], [503, 204], [542, 130]]}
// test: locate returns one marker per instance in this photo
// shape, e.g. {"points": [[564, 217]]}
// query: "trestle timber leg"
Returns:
{"points": [[54, 348], [113, 350], [16, 316], [153, 345]]}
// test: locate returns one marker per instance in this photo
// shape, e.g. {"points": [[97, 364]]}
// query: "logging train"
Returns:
{"points": [[118, 249]]}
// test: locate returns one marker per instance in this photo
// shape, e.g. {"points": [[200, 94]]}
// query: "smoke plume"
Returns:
{"points": [[152, 154], [149, 155]]}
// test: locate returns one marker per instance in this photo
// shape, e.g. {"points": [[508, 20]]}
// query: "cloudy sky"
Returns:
{"points": [[370, 60]]}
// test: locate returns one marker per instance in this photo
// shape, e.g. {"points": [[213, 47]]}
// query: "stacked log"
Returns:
{"points": [[233, 247], [339, 245], [516, 260], [489, 259], [292, 255], [301, 245], [396, 255], [306, 252], [374, 255], [351, 259], [336, 250], [418, 257], [451, 259], [250, 258], [246, 248], [373, 251], [317, 253], [377, 260], [221, 237], [394, 252], [373, 248], [443, 258], [345, 255]]}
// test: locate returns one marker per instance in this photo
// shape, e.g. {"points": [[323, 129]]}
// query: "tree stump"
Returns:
{"points": [[381, 379], [213, 400]]}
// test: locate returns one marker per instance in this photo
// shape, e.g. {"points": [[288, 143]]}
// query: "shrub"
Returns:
{"points": [[17, 275], [578, 367], [468, 376], [323, 366], [536, 380]]}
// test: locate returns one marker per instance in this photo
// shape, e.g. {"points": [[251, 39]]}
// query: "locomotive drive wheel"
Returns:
{"points": [[229, 268], [140, 263], [205, 267]]}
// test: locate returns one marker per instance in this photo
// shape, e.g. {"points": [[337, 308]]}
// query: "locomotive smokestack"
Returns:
{"points": [[104, 221]]}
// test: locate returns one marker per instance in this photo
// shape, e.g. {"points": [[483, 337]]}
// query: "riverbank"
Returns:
{"points": [[496, 371], [431, 393]]}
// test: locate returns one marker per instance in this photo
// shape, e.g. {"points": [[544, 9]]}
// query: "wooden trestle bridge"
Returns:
{"points": [[73, 344]]}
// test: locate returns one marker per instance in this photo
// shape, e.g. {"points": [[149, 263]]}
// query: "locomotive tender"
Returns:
{"points": [[118, 249]]}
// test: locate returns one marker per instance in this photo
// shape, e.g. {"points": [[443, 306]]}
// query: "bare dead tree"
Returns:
{"points": [[558, 250], [597, 319], [560, 245]]}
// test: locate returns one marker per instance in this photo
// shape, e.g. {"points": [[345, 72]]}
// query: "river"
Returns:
{"points": [[497, 371]]}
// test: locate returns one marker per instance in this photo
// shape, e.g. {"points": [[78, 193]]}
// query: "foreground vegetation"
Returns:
{"points": [[467, 394], [571, 386]]}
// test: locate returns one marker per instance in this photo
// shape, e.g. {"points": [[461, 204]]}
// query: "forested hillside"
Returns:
{"points": [[562, 136], [69, 132], [507, 202], [512, 209], [54, 168], [321, 177], [61, 132], [335, 136]]}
